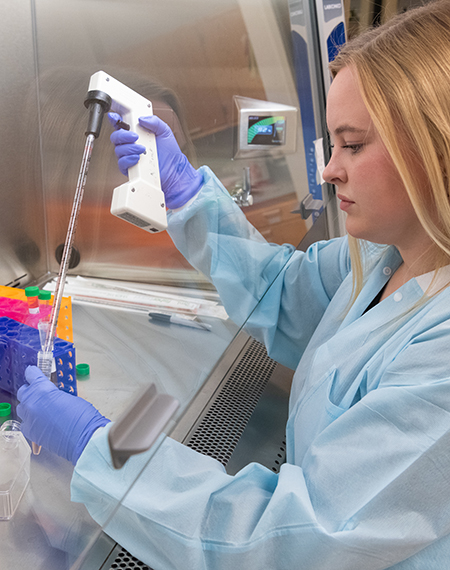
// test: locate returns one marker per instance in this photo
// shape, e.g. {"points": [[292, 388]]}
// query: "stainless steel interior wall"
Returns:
{"points": [[22, 231], [190, 57]]}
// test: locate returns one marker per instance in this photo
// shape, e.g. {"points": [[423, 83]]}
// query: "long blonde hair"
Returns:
{"points": [[403, 69]]}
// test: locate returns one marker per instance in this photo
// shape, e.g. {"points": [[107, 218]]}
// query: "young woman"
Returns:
{"points": [[364, 319]]}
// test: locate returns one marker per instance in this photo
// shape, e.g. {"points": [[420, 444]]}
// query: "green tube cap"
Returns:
{"points": [[82, 370], [5, 409], [45, 295], [31, 291]]}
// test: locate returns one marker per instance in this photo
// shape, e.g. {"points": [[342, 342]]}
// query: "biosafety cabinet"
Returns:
{"points": [[242, 84]]}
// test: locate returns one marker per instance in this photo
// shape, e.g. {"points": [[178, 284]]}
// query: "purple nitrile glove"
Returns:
{"points": [[179, 179], [60, 422]]}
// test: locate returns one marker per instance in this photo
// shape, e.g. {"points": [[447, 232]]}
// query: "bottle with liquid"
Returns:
{"points": [[45, 305], [14, 467], [45, 298], [32, 295]]}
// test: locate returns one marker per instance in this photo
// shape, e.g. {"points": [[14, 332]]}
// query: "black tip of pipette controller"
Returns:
{"points": [[122, 125], [98, 103]]}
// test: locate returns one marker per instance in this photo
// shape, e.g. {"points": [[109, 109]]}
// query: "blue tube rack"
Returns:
{"points": [[19, 346]]}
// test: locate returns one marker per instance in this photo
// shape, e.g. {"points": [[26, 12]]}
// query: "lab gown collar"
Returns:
{"points": [[389, 261]]}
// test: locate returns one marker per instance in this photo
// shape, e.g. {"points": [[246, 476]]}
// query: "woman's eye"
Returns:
{"points": [[354, 148]]}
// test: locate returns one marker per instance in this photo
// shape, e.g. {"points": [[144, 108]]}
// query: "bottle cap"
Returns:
{"points": [[5, 409], [31, 291], [45, 295], [82, 370]]}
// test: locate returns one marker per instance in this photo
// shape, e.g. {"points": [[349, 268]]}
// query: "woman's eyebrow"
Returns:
{"points": [[348, 129]]}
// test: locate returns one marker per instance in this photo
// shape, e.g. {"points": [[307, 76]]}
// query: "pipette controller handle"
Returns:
{"points": [[139, 201]]}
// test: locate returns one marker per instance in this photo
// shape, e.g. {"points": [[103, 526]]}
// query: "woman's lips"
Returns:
{"points": [[345, 202]]}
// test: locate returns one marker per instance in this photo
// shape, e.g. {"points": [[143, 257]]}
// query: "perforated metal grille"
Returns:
{"points": [[280, 458], [129, 217], [124, 561], [221, 427], [219, 431]]}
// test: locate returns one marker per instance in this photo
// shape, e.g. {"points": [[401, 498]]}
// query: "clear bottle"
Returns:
{"points": [[14, 467], [45, 306], [45, 298], [32, 295]]}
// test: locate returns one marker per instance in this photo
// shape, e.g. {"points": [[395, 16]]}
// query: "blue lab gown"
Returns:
{"points": [[366, 485]]}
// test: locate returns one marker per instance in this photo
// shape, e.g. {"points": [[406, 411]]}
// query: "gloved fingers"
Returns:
{"points": [[127, 162], [20, 408], [156, 126], [116, 121], [60, 422], [22, 392], [35, 392], [25, 408], [114, 118], [34, 374], [129, 150], [123, 137], [37, 382]]}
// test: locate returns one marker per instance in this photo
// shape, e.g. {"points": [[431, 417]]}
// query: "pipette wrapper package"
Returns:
{"points": [[19, 347]]}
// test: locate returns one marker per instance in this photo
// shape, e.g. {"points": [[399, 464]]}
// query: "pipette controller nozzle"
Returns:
{"points": [[98, 103]]}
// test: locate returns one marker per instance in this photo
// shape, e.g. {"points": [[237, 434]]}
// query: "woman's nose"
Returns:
{"points": [[334, 171]]}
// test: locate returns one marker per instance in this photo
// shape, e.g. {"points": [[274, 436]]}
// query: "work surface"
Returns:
{"points": [[126, 352]]}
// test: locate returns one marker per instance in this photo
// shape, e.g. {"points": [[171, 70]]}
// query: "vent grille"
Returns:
{"points": [[224, 421], [280, 458], [124, 561], [218, 433], [129, 217]]}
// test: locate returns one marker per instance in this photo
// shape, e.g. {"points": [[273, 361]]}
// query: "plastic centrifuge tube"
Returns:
{"points": [[45, 301], [32, 295], [45, 355], [45, 298], [44, 361]]}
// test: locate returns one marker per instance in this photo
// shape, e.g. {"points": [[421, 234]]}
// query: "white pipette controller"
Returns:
{"points": [[139, 201]]}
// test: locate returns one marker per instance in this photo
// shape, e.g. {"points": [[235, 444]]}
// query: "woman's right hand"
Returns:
{"points": [[60, 422], [179, 179]]}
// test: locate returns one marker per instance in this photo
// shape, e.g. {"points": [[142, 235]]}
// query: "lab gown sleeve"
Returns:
{"points": [[371, 491], [216, 238]]}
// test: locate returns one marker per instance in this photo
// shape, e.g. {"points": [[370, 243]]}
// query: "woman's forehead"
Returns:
{"points": [[346, 110]]}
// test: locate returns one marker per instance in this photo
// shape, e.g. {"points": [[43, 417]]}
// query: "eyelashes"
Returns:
{"points": [[354, 148]]}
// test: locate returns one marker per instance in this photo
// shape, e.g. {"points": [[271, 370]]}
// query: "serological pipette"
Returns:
{"points": [[139, 201], [97, 107]]}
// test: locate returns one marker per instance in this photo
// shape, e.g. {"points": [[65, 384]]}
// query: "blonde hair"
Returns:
{"points": [[403, 69]]}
